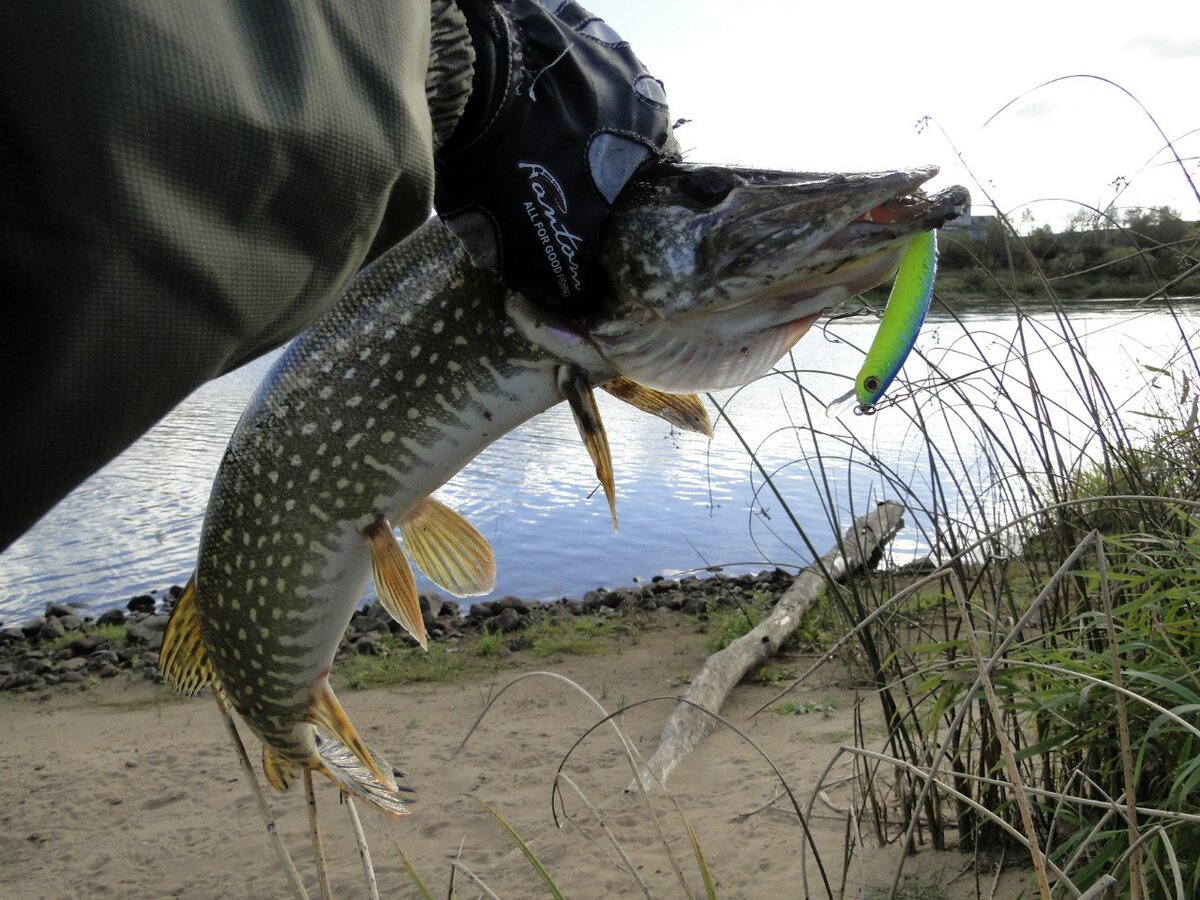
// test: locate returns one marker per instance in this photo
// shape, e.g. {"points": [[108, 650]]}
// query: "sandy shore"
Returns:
{"points": [[124, 791]]}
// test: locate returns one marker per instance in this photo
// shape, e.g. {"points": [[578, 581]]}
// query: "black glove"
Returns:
{"points": [[561, 116]]}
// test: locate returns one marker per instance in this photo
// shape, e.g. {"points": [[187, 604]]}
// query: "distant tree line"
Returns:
{"points": [[1095, 257]]}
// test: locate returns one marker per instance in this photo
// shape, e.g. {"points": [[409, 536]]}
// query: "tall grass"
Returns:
{"points": [[1041, 691]]}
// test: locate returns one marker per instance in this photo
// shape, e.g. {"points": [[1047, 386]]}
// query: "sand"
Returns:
{"points": [[124, 791]]}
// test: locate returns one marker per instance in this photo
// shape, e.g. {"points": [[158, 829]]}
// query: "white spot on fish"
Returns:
{"points": [[318, 512], [420, 379], [295, 459], [389, 333], [390, 471], [460, 341], [241, 632], [306, 569], [414, 351], [453, 366], [285, 562], [227, 535], [314, 476], [354, 401], [308, 428], [434, 357], [273, 477], [364, 353], [384, 359], [413, 412], [353, 441], [325, 393], [387, 437], [289, 504], [336, 426], [349, 374], [258, 500], [438, 326]]}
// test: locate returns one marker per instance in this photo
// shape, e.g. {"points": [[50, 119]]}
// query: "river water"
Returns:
{"points": [[685, 503]]}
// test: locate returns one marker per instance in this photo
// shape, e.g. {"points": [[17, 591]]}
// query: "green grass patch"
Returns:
{"points": [[399, 665], [115, 633], [571, 636]]}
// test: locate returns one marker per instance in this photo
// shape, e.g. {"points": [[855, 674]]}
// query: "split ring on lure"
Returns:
{"points": [[902, 319]]}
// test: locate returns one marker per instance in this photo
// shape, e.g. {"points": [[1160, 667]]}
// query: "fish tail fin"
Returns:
{"points": [[348, 771], [184, 660]]}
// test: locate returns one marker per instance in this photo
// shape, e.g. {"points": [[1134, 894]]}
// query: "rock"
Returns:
{"points": [[11, 636], [431, 605], [664, 585], [58, 610], [51, 629], [18, 680], [87, 645], [516, 645], [32, 627], [512, 603], [107, 670], [71, 623], [367, 645], [482, 610], [70, 677], [148, 631], [151, 673], [74, 664], [605, 612], [672, 600], [509, 620], [101, 658], [111, 617], [143, 603], [695, 604], [175, 591]]}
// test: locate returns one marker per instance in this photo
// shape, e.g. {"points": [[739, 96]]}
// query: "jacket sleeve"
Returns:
{"points": [[185, 186]]}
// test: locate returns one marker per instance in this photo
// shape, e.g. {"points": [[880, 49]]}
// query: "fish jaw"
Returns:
{"points": [[716, 271]]}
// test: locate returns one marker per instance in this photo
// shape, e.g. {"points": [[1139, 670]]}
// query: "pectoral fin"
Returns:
{"points": [[279, 771], [685, 411], [184, 659], [578, 393], [448, 549], [394, 583]]}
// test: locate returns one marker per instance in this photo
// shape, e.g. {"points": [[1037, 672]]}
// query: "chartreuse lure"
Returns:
{"points": [[902, 319]]}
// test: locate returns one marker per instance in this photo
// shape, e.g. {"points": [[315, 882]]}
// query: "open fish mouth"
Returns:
{"points": [[729, 267]]}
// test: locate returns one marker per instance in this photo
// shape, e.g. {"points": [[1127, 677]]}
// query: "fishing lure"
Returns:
{"points": [[902, 319]]}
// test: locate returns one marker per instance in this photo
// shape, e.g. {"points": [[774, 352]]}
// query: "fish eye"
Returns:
{"points": [[871, 383], [708, 187]]}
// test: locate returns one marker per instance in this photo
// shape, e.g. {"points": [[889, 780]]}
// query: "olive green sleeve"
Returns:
{"points": [[185, 185]]}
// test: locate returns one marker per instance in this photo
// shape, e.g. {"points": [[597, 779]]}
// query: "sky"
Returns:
{"points": [[841, 86]]}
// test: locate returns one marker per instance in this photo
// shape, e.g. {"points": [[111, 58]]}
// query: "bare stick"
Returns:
{"points": [[364, 852], [314, 830], [688, 727], [281, 851]]}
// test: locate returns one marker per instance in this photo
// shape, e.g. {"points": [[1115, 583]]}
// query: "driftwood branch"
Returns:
{"points": [[688, 727]]}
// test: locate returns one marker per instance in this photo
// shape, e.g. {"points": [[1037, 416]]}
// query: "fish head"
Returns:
{"points": [[716, 271]]}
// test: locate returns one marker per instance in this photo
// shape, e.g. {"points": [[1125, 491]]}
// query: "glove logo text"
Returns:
{"points": [[547, 216]]}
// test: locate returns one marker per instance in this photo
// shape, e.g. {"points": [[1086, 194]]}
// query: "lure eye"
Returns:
{"points": [[708, 187], [871, 383]]}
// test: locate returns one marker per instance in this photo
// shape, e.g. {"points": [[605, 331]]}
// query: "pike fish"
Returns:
{"points": [[714, 273]]}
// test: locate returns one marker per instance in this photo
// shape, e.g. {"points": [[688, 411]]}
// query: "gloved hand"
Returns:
{"points": [[561, 116]]}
